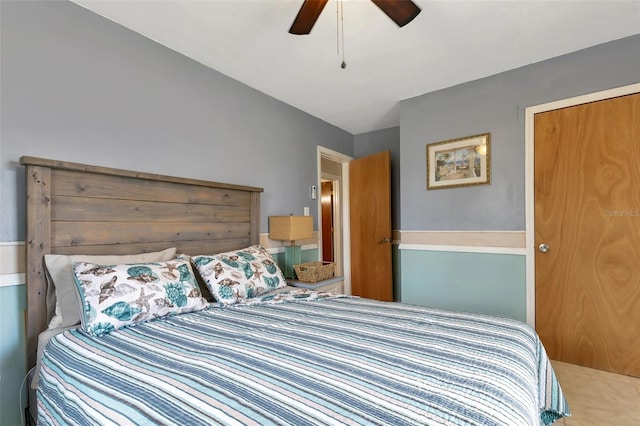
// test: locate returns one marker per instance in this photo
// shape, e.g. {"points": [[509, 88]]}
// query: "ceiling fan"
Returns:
{"points": [[400, 11]]}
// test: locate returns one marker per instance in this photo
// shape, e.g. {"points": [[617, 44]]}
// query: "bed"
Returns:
{"points": [[288, 356]]}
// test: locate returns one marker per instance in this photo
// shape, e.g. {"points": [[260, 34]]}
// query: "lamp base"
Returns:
{"points": [[292, 256]]}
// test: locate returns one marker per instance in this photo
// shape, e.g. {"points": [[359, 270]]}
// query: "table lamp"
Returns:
{"points": [[291, 228]]}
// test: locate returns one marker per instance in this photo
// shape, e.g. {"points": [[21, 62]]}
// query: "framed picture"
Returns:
{"points": [[459, 162]]}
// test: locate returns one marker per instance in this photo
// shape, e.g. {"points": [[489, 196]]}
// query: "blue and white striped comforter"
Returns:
{"points": [[337, 360]]}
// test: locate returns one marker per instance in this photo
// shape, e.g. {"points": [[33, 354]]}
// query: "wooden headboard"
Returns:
{"points": [[79, 209]]}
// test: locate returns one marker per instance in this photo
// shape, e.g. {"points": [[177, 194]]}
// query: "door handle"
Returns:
{"points": [[543, 248], [386, 240]]}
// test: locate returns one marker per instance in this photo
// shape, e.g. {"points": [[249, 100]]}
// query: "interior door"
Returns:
{"points": [[587, 228], [370, 222], [326, 200]]}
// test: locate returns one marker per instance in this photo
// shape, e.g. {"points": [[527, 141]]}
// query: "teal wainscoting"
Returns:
{"points": [[12, 353], [492, 284], [397, 273], [309, 255]]}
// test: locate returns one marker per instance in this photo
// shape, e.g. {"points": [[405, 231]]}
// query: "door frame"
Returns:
{"points": [[342, 229], [529, 140]]}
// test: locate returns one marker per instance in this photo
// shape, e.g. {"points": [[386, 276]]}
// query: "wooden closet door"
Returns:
{"points": [[587, 211]]}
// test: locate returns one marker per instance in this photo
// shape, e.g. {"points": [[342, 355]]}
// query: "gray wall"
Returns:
{"points": [[383, 140], [496, 104], [80, 88]]}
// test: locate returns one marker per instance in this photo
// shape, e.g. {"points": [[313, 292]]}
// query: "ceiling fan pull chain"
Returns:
{"points": [[343, 65], [337, 28]]}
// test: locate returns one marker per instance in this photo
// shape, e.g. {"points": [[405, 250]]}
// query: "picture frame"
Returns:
{"points": [[459, 162]]}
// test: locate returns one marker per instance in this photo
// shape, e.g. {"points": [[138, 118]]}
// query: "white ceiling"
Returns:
{"points": [[450, 42]]}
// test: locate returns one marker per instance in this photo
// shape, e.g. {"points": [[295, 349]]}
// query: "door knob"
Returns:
{"points": [[543, 248], [386, 240]]}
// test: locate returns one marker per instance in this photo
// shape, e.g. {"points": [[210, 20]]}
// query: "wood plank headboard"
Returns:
{"points": [[80, 209]]}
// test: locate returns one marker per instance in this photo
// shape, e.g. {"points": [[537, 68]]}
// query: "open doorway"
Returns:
{"points": [[333, 212]]}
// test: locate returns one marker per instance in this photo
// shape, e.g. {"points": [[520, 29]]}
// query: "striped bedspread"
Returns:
{"points": [[291, 361]]}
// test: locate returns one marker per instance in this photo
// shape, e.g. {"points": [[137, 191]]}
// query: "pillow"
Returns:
{"points": [[239, 274], [201, 284], [116, 296], [61, 299]]}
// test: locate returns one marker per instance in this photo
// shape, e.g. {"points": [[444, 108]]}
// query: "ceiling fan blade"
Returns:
{"points": [[307, 16], [400, 11]]}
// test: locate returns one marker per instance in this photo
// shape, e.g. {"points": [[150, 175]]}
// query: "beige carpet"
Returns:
{"points": [[598, 398]]}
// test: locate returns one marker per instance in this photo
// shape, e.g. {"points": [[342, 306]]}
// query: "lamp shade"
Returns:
{"points": [[290, 228]]}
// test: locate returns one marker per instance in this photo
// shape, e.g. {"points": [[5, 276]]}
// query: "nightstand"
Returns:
{"points": [[331, 285]]}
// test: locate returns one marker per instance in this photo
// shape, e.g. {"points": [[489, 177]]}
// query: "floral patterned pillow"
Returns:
{"points": [[116, 296], [239, 274]]}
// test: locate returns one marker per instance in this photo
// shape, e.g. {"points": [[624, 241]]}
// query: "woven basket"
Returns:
{"points": [[312, 272]]}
